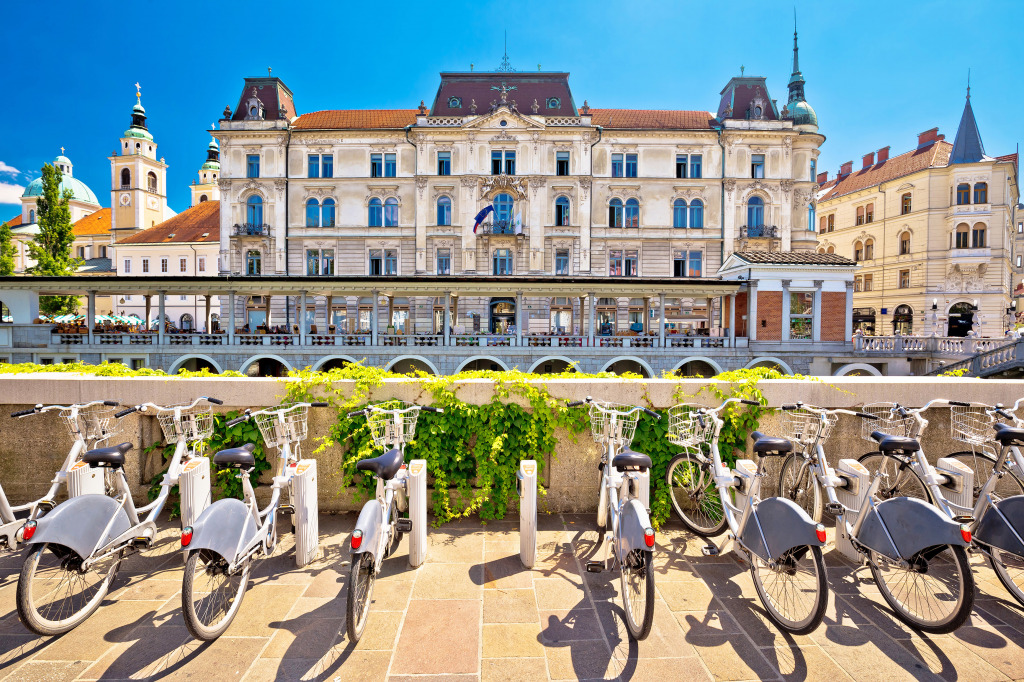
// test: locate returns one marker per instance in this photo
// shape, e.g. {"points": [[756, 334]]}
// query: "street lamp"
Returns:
{"points": [[1011, 314], [935, 317]]}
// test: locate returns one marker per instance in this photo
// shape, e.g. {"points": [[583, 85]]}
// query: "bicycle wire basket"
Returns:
{"points": [[196, 424], [888, 421], [614, 424], [388, 428], [971, 425], [804, 425], [284, 425], [95, 422], [684, 427]]}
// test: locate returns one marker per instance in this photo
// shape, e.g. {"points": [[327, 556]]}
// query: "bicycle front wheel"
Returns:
{"points": [[637, 576], [794, 591], [694, 496], [982, 464], [798, 483], [1009, 569], [56, 593], [933, 593], [210, 595], [360, 592], [898, 478]]}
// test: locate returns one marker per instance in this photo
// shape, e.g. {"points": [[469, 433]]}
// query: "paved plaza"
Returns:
{"points": [[471, 612]]}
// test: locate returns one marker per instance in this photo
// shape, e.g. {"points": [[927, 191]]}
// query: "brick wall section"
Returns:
{"points": [[769, 308], [741, 310], [833, 316]]}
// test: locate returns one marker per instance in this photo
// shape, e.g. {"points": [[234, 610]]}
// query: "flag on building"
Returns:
{"points": [[481, 215], [517, 227]]}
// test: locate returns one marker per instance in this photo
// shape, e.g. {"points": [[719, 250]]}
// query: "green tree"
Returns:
{"points": [[51, 248], [7, 251]]}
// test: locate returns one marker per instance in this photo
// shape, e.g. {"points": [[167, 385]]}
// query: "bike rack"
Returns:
{"points": [[307, 524], [417, 486], [851, 496], [194, 486], [526, 486], [85, 480]]}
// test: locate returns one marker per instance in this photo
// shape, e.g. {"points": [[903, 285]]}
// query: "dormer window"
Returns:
{"points": [[254, 108], [454, 102], [554, 103]]}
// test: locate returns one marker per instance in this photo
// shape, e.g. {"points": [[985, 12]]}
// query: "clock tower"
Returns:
{"points": [[138, 180]]}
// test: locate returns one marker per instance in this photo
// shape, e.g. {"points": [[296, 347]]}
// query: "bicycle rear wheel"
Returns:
{"points": [[210, 596], [794, 592], [55, 594], [694, 496], [982, 463], [798, 484], [1009, 569], [637, 577], [934, 593], [898, 478], [360, 591]]}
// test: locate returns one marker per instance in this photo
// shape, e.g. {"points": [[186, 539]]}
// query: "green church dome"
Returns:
{"points": [[79, 190], [803, 114]]}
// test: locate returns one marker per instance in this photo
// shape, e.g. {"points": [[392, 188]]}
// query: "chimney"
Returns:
{"points": [[868, 160], [883, 155], [822, 178], [927, 137], [846, 169]]}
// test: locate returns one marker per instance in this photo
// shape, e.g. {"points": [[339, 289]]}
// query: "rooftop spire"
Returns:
{"points": [[967, 147], [505, 64], [796, 58], [796, 80]]}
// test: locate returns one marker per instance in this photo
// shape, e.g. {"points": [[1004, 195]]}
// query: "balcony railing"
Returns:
{"points": [[502, 227], [251, 230], [759, 232]]}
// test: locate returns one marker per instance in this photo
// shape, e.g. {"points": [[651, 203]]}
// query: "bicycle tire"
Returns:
{"points": [[637, 579], [963, 601], [982, 464], [785, 567], [903, 482], [701, 495], [361, 580], [64, 572], [602, 500], [801, 487], [197, 619], [1011, 577]]}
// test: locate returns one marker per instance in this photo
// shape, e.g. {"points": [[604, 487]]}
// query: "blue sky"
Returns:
{"points": [[877, 73]]}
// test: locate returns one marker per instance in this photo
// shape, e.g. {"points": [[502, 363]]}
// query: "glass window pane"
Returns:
{"points": [[314, 165], [616, 165], [694, 269], [312, 213], [390, 166], [391, 212], [631, 165], [695, 165]]}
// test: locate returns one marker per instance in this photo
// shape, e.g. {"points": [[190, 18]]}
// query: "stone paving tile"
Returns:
{"points": [[587, 660], [661, 669], [510, 606], [50, 671], [448, 581], [111, 623], [352, 665], [511, 640], [731, 657], [576, 624], [804, 664], [505, 571], [439, 636], [558, 593], [667, 638], [512, 669]]}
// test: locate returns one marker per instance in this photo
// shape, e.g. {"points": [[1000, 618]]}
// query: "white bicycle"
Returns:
{"points": [[226, 540]]}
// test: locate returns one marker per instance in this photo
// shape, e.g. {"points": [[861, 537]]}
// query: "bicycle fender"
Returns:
{"points": [[913, 524], [997, 529], [633, 521], [79, 522], [224, 527], [785, 526], [369, 521]]}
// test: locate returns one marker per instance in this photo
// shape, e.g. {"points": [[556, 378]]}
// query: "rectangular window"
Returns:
{"points": [[202, 264], [869, 213], [615, 263], [327, 166], [509, 158], [510, 162], [145, 266], [801, 314], [562, 163], [757, 166], [962, 239], [314, 166], [376, 262], [1020, 228], [183, 298], [444, 261], [616, 165], [562, 262], [502, 262], [182, 264], [496, 162], [687, 263], [319, 262], [905, 204], [869, 281], [832, 222], [444, 163], [390, 166], [1019, 258], [163, 265], [857, 283], [904, 279], [696, 161], [127, 266], [390, 262], [681, 164], [978, 238], [694, 269], [860, 215], [904, 244], [253, 166], [138, 363], [376, 165], [631, 165]]}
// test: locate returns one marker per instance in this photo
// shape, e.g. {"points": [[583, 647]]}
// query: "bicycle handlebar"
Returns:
{"points": [[160, 408], [239, 419], [412, 408], [22, 413], [428, 408], [353, 415], [127, 411], [39, 408], [576, 403]]}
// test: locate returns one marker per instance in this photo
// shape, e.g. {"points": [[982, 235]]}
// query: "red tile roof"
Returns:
{"points": [[188, 226], [355, 119], [652, 119], [15, 221], [94, 223], [932, 156]]}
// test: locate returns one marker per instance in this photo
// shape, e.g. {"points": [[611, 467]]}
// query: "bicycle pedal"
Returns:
{"points": [[834, 508], [709, 550], [46, 505], [141, 542], [595, 566], [286, 509], [963, 519], [403, 525]]}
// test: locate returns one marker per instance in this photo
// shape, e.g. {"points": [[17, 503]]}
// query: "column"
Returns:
{"points": [[374, 318], [445, 321], [590, 320], [785, 309], [231, 318], [149, 311], [661, 314], [303, 324], [519, 318], [647, 314], [732, 320], [849, 313], [208, 321], [328, 314], [816, 313], [752, 320], [91, 316], [162, 324], [266, 302]]}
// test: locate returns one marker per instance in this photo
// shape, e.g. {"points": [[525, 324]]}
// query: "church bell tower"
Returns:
{"points": [[138, 180]]}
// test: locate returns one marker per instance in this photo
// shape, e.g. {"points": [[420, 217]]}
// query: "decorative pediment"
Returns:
{"points": [[382, 244], [319, 191], [253, 186], [567, 190], [513, 121], [383, 147], [689, 193], [562, 243], [625, 191], [443, 191], [905, 186], [511, 184], [503, 136]]}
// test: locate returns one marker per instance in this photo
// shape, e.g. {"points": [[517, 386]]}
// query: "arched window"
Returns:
{"points": [[376, 217], [981, 193], [202, 198], [963, 194], [31, 215], [858, 251], [254, 210], [830, 249], [697, 213], [678, 213], [253, 263], [312, 213], [905, 204], [185, 322], [615, 213], [869, 249], [903, 320], [126, 178], [391, 212], [151, 181], [561, 211], [963, 237], [905, 244], [503, 213], [755, 212], [327, 213], [821, 249], [632, 218], [444, 211], [978, 236]]}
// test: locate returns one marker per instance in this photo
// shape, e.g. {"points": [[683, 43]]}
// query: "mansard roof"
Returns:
{"points": [[741, 94], [934, 155], [485, 86], [201, 223], [274, 95]]}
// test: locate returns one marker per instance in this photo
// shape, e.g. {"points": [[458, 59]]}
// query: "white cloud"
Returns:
{"points": [[8, 170], [10, 194]]}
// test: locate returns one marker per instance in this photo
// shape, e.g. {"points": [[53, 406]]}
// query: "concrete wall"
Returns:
{"points": [[31, 449]]}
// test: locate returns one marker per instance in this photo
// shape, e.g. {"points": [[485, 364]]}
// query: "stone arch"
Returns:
{"points": [[629, 358], [258, 359], [768, 359], [328, 358], [503, 366], [845, 370], [180, 362], [414, 358], [716, 368], [550, 358]]}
